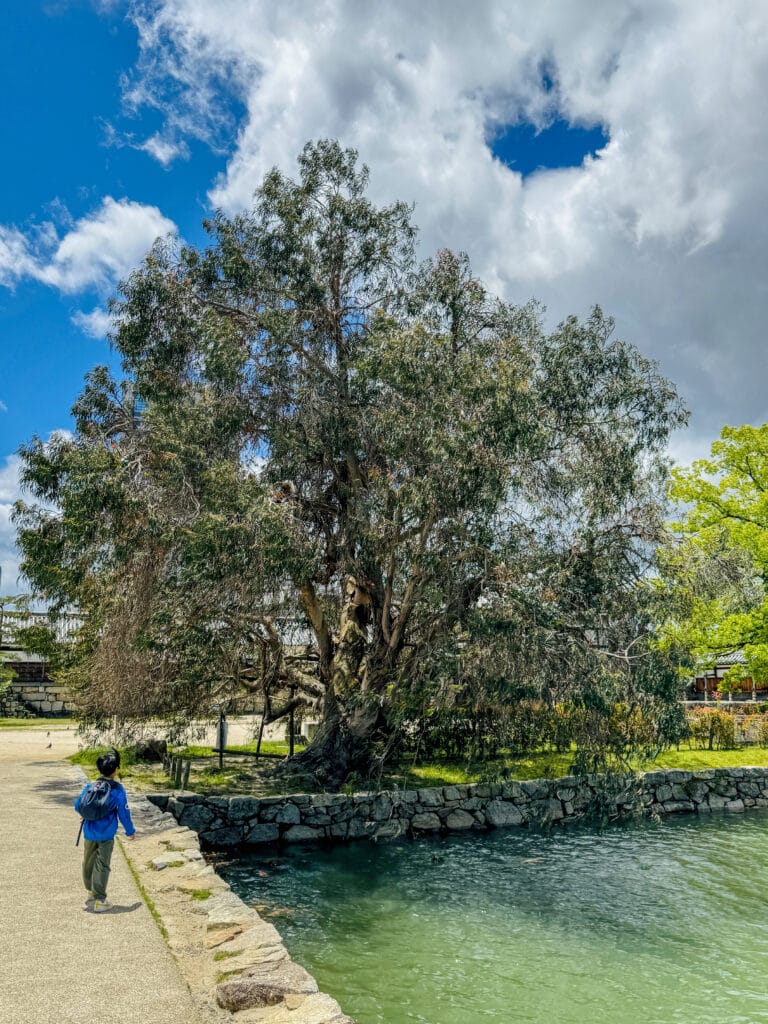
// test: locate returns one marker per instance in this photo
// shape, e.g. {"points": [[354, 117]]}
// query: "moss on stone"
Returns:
{"points": [[225, 954], [226, 975]]}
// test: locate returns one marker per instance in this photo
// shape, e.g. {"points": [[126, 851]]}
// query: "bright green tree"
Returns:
{"points": [[328, 470], [717, 565]]}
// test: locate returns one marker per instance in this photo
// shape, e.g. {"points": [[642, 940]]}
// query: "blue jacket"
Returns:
{"points": [[106, 827]]}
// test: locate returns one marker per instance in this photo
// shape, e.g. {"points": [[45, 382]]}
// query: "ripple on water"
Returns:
{"points": [[638, 924]]}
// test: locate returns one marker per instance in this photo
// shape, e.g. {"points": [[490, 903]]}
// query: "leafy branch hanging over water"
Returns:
{"points": [[350, 482]]}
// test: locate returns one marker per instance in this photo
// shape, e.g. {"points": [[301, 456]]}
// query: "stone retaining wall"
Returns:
{"points": [[224, 821], [45, 697], [235, 963]]}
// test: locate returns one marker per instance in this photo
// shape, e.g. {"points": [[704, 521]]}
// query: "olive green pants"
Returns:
{"points": [[96, 861]]}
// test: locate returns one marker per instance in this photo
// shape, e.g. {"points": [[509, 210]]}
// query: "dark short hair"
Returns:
{"points": [[108, 763]]}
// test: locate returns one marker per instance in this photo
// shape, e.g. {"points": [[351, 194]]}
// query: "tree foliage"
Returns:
{"points": [[339, 476], [717, 566]]}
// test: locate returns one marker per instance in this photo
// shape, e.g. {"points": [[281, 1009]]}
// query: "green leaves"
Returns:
{"points": [[718, 564], [318, 438]]}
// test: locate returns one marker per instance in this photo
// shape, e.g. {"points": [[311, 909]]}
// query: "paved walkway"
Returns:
{"points": [[61, 964]]}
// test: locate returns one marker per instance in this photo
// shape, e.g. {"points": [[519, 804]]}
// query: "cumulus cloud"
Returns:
{"points": [[94, 253], [95, 324], [10, 491], [665, 227]]}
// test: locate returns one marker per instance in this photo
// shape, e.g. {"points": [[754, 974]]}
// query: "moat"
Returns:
{"points": [[641, 922]]}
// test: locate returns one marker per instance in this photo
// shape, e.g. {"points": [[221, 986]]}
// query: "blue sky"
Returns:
{"points": [[62, 69], [60, 74], [596, 152]]}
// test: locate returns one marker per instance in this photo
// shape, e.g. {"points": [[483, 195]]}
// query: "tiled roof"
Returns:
{"points": [[734, 658]]}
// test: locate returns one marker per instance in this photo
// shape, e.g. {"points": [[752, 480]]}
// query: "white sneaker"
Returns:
{"points": [[101, 906], [89, 898]]}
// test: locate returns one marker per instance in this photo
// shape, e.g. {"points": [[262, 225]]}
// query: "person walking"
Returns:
{"points": [[99, 834]]}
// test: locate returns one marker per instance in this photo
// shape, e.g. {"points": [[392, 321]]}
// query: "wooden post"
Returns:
{"points": [[292, 724], [221, 736], [185, 780], [177, 779], [261, 732]]}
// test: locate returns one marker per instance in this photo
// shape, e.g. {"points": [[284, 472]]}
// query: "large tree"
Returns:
{"points": [[329, 469], [715, 567]]}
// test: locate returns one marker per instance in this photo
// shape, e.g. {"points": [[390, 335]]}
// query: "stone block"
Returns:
{"points": [[654, 778], [513, 791], [749, 789], [389, 829], [243, 807], [310, 817], [265, 985], [431, 797], [676, 806], [288, 814], [457, 821], [734, 806], [547, 811], [724, 787], [536, 789], [196, 816], [359, 827], [427, 822], [302, 834], [222, 837], [678, 776], [382, 808], [500, 813], [697, 790], [262, 833]]}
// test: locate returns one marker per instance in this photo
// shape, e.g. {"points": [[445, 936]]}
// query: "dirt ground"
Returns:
{"points": [[54, 742]]}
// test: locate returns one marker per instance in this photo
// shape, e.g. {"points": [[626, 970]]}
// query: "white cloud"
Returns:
{"points": [[11, 581], [163, 150], [95, 324], [667, 228], [10, 491], [94, 253], [3, 406]]}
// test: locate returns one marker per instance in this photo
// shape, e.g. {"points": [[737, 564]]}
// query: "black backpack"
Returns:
{"points": [[94, 803]]}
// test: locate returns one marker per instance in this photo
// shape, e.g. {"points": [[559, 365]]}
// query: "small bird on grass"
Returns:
{"points": [[49, 745]]}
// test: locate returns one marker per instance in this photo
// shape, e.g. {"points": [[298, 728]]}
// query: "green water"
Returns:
{"points": [[652, 923]]}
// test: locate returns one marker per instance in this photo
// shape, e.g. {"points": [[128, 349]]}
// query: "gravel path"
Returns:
{"points": [[60, 963]]}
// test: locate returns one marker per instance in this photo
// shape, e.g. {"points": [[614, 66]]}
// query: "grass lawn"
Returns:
{"points": [[38, 723], [551, 765], [243, 774]]}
